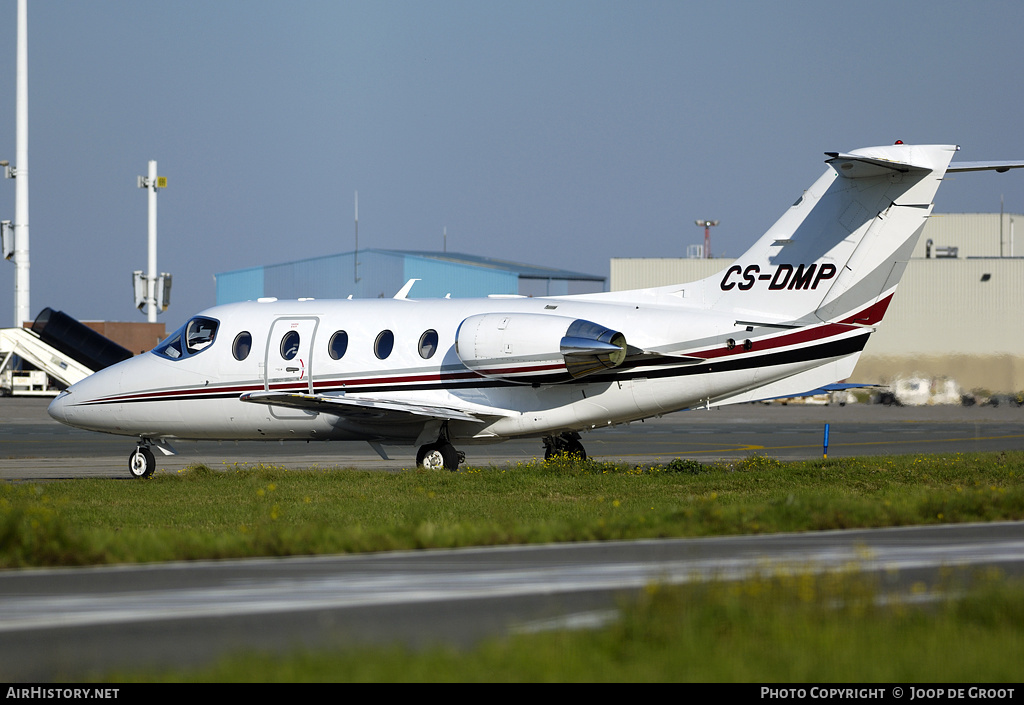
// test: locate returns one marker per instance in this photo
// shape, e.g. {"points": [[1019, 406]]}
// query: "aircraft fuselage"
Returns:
{"points": [[197, 396]]}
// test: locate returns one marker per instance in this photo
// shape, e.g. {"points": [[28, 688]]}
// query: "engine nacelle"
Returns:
{"points": [[533, 348]]}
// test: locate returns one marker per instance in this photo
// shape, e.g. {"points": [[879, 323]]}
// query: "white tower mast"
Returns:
{"points": [[151, 274], [22, 307]]}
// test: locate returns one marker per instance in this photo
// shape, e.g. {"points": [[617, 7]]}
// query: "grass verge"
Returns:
{"points": [[243, 511], [774, 628], [796, 628]]}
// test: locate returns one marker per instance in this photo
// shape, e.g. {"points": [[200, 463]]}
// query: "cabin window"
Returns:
{"points": [[338, 345], [191, 339], [384, 344], [290, 345], [428, 344], [242, 345]]}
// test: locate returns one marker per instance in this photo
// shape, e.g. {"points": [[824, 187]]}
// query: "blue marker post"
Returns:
{"points": [[825, 445]]}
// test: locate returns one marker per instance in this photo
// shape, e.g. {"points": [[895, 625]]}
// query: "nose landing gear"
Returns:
{"points": [[141, 462]]}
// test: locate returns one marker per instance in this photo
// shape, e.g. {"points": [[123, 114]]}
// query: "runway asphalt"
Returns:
{"points": [[33, 446], [74, 622]]}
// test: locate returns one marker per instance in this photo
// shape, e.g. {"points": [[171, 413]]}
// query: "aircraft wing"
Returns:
{"points": [[828, 388], [361, 407]]}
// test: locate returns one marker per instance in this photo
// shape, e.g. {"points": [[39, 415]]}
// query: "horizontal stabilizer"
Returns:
{"points": [[985, 166], [856, 166], [350, 406]]}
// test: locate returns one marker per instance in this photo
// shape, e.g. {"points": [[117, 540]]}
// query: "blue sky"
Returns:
{"points": [[560, 133]]}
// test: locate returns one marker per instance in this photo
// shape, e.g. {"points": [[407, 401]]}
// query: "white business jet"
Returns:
{"points": [[791, 316]]}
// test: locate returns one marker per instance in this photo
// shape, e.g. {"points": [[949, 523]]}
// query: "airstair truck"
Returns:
{"points": [[62, 351]]}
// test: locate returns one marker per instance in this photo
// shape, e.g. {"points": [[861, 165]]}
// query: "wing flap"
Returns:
{"points": [[366, 408], [826, 389]]}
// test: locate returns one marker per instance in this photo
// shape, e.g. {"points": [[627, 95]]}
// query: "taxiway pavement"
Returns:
{"points": [[35, 447], [69, 623]]}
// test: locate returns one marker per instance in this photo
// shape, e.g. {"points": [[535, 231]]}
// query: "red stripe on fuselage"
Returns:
{"points": [[870, 314], [804, 335], [865, 317], [296, 385]]}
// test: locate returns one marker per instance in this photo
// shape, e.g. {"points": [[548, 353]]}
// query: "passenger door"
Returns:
{"points": [[289, 354]]}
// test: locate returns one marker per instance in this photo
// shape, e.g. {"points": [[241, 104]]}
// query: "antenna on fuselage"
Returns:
{"points": [[355, 255]]}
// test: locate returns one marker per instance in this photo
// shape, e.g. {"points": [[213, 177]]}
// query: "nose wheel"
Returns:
{"points": [[141, 462]]}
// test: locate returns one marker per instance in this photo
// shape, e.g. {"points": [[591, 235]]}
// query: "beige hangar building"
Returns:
{"points": [[958, 313]]}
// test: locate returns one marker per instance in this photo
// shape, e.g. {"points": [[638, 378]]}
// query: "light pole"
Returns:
{"points": [[707, 225], [152, 291], [16, 246]]}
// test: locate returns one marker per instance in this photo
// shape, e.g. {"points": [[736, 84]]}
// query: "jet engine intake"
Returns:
{"points": [[535, 348]]}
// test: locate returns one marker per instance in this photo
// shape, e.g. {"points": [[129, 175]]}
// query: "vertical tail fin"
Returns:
{"points": [[839, 251]]}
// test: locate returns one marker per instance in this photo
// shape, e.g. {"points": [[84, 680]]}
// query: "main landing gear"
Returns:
{"points": [[566, 444], [141, 462], [440, 454]]}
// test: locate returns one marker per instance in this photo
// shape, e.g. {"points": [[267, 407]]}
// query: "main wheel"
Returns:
{"points": [[574, 447], [435, 456], [562, 446], [141, 462]]}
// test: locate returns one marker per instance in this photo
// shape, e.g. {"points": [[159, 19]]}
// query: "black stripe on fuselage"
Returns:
{"points": [[628, 370]]}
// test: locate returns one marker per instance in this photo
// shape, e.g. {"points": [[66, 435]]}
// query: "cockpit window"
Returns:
{"points": [[171, 347], [191, 339], [199, 334]]}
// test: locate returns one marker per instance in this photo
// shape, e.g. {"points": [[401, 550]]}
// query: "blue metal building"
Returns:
{"points": [[381, 273]]}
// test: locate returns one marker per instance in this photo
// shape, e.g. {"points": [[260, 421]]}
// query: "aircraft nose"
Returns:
{"points": [[89, 403], [58, 408], [75, 405]]}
